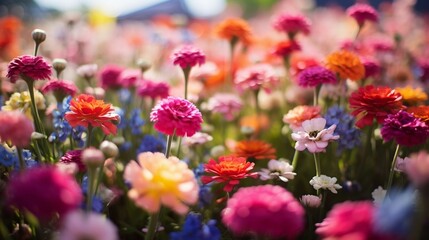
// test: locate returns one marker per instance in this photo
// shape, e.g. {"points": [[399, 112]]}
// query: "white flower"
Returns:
{"points": [[378, 195], [312, 201], [401, 164], [325, 182], [277, 169], [314, 136], [197, 139]]}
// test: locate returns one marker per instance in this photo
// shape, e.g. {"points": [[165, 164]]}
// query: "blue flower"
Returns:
{"points": [[123, 123], [350, 136], [97, 202], [395, 214], [205, 195], [28, 159], [125, 97], [194, 229], [7, 158], [136, 121], [151, 143]]}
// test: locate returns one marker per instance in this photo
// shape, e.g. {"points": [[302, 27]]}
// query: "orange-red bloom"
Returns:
{"points": [[255, 149], [346, 64], [234, 29], [86, 110], [421, 112], [228, 169]]}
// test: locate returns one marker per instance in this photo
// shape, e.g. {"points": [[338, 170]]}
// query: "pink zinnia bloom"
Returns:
{"points": [[285, 48], [260, 76], [153, 89], [60, 86], [157, 180], [299, 114], [129, 77], [74, 156], [266, 210], [81, 225], [28, 68], [314, 136], [362, 12], [417, 168], [176, 115], [372, 67], [44, 191], [228, 105], [350, 220], [315, 76], [292, 24], [109, 76], [15, 127], [188, 56]]}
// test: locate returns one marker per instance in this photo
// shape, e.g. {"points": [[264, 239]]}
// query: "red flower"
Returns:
{"points": [[229, 170], [374, 102], [85, 109], [285, 48], [28, 67], [255, 149]]}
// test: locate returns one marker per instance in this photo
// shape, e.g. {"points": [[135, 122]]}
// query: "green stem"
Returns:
{"points": [[168, 147], [258, 109], [316, 92], [153, 222], [179, 146], [322, 206], [90, 193], [186, 72], [295, 159], [21, 159], [392, 170], [36, 49], [89, 139], [317, 164]]}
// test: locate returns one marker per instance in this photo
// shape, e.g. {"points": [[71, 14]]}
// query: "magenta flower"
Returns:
{"points": [[109, 76], [292, 24], [153, 89], [372, 67], [252, 210], [28, 68], [176, 115], [362, 12], [129, 77], [314, 136], [44, 191], [260, 76], [417, 168], [405, 129], [74, 156], [60, 86], [315, 76], [15, 127], [188, 56], [228, 105]]}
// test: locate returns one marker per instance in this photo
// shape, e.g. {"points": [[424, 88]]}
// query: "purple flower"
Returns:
{"points": [[28, 67], [405, 129], [188, 56], [314, 76]]}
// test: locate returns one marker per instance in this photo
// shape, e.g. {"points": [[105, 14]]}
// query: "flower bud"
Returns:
{"points": [[37, 135], [311, 201], [59, 65], [217, 151], [38, 35], [143, 65], [109, 149], [92, 157]]}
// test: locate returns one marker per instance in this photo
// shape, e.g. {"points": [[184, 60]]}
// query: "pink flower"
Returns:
{"points": [[252, 210], [28, 67], [417, 168], [153, 90], [299, 114], [401, 164], [314, 136], [292, 24], [60, 87], [372, 67], [15, 127], [80, 225], [74, 156], [260, 76], [129, 77], [315, 76], [176, 115], [228, 105], [87, 71], [311, 201], [362, 12], [44, 191], [188, 56], [109, 76]]}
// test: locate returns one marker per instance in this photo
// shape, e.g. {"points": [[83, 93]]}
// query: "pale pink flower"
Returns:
{"points": [[228, 105], [299, 114], [87, 71], [280, 169], [314, 136], [311, 201], [260, 76], [148, 88], [197, 139], [92, 157], [129, 77], [15, 127], [417, 168], [188, 56], [401, 164]]}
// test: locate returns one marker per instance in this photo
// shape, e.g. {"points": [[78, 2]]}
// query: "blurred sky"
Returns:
{"points": [[117, 7]]}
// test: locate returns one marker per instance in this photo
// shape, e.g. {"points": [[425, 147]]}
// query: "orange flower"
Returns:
{"points": [[254, 149], [229, 170], [255, 122], [299, 114], [421, 112], [86, 110], [346, 65], [412, 95], [234, 29]]}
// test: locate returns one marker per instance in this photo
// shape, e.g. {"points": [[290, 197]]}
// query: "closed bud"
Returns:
{"points": [[59, 65], [217, 151], [92, 157], [143, 65], [38, 35], [109, 149], [37, 135]]}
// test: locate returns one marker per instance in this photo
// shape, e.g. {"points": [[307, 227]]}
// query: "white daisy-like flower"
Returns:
{"points": [[277, 169], [378, 195], [325, 182]]}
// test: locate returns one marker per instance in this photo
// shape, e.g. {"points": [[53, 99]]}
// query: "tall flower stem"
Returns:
{"points": [[316, 92], [186, 72], [317, 164], [89, 138], [232, 44], [91, 188], [257, 108], [295, 159], [21, 159], [392, 170], [322, 206]]}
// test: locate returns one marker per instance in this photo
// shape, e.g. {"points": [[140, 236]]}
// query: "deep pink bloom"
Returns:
{"points": [[292, 24], [28, 67], [315, 76], [405, 129], [417, 168], [177, 115], [129, 77], [60, 86], [109, 76], [381, 44], [266, 211], [362, 12], [372, 67], [74, 156], [44, 191], [260, 76], [350, 220], [188, 56], [15, 127], [228, 105], [153, 89], [285, 48]]}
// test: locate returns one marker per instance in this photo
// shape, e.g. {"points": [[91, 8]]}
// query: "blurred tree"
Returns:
{"points": [[251, 7]]}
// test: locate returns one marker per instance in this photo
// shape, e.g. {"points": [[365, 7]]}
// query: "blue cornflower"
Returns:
{"points": [[7, 158], [194, 229], [205, 195], [395, 214], [136, 121], [151, 143], [125, 97], [123, 123], [350, 136], [97, 202], [28, 159]]}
